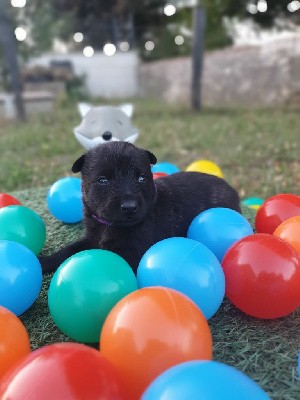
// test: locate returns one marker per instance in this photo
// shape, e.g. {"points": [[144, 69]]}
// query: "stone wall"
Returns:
{"points": [[265, 75]]}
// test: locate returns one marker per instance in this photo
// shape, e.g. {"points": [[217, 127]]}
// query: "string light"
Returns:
{"points": [[252, 8], [109, 49], [18, 3], [124, 46], [20, 33], [179, 40], [293, 6], [78, 37], [169, 10], [149, 45], [262, 6], [88, 51]]}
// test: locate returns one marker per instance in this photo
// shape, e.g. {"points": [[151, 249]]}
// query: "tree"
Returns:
{"points": [[137, 21], [10, 54]]}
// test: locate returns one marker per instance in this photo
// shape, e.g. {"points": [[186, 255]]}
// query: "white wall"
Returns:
{"points": [[109, 77]]}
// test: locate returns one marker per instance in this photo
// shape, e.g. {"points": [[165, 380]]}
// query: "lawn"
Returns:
{"points": [[258, 151]]}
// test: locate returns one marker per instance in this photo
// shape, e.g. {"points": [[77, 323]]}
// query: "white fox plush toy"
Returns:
{"points": [[105, 124]]}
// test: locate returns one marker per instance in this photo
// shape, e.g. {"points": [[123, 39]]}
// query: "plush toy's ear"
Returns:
{"points": [[78, 164], [84, 108], [153, 159], [127, 109]]}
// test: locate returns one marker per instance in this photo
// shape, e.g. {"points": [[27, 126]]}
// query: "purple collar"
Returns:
{"points": [[102, 221]]}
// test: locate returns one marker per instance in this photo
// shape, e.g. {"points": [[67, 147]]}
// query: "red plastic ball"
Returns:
{"points": [[262, 275], [159, 175], [275, 210], [8, 200], [62, 371]]}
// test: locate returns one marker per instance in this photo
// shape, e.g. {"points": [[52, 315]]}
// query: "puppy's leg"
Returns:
{"points": [[52, 262]]}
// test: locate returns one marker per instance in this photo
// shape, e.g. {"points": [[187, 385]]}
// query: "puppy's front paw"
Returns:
{"points": [[48, 263]]}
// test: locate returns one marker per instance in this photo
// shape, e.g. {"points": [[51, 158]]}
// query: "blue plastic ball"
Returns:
{"points": [[203, 380], [64, 200], [20, 276], [165, 167], [218, 228], [187, 266]]}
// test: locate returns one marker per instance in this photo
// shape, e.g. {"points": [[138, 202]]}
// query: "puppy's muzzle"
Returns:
{"points": [[129, 206]]}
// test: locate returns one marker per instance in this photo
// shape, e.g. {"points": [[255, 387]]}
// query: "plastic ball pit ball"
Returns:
{"points": [[64, 200], [218, 228], [23, 225], [275, 210], [14, 340], [157, 175], [165, 167], [8, 200], [85, 288], [203, 380], [20, 277], [262, 275], [187, 266], [253, 202], [62, 371], [149, 331], [206, 167], [289, 230]]}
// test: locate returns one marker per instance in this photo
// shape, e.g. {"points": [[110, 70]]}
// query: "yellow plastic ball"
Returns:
{"points": [[205, 166]]}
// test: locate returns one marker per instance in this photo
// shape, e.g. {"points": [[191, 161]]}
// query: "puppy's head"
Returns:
{"points": [[117, 182]]}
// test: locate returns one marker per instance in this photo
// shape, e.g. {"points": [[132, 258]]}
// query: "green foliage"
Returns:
{"points": [[105, 20], [44, 24]]}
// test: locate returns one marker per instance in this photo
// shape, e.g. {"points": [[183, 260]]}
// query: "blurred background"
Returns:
{"points": [[217, 79]]}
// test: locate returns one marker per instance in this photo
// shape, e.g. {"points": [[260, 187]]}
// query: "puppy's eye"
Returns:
{"points": [[103, 180], [142, 178]]}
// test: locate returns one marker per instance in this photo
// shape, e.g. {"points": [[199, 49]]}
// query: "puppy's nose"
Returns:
{"points": [[129, 206], [107, 135]]}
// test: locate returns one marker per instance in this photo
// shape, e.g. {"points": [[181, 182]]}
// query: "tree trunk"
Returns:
{"points": [[197, 56], [10, 53]]}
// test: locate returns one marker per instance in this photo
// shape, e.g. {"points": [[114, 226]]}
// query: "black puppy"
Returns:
{"points": [[126, 212]]}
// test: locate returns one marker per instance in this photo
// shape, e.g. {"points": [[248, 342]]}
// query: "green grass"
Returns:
{"points": [[258, 150], [266, 350]]}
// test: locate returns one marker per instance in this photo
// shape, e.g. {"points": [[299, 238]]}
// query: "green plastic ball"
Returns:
{"points": [[22, 225], [85, 288]]}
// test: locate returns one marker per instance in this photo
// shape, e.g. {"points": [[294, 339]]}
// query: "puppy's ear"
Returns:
{"points": [[152, 158], [78, 164]]}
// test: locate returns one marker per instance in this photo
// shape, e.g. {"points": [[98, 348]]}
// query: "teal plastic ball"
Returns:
{"points": [[23, 225], [85, 288]]}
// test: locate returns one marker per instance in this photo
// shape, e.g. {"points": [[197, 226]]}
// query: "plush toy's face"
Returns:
{"points": [[105, 124]]}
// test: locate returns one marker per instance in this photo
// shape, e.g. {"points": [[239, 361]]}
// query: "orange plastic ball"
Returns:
{"points": [[289, 230], [149, 331], [14, 340]]}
